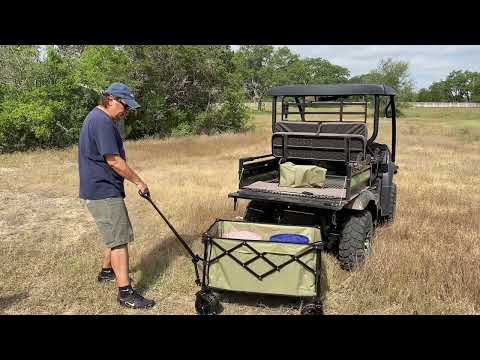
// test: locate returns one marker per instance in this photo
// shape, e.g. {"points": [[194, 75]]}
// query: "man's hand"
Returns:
{"points": [[142, 187]]}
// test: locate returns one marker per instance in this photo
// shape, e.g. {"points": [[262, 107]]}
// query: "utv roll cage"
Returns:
{"points": [[335, 95]]}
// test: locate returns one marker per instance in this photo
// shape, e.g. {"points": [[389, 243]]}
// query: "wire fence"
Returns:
{"points": [[447, 104], [267, 106]]}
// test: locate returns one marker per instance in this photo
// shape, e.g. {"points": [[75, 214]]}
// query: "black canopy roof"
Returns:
{"points": [[331, 90]]}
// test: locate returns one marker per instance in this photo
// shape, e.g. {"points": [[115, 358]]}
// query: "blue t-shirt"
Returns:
{"points": [[99, 137]]}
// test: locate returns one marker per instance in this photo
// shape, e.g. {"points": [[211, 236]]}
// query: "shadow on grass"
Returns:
{"points": [[154, 263], [8, 301]]}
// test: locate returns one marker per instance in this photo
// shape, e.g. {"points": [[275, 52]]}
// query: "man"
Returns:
{"points": [[103, 168]]}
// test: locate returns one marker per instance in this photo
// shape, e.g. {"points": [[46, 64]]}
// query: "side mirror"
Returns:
{"points": [[388, 113], [388, 110]]}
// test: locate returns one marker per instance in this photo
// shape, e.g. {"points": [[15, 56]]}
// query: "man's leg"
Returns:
{"points": [[101, 213], [107, 264], [112, 219], [119, 261], [126, 295], [107, 274]]}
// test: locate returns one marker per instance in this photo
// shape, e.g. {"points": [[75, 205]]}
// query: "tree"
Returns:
{"points": [[474, 86], [45, 95], [282, 63], [70, 51], [424, 95], [261, 67], [318, 71], [100, 65], [462, 85], [457, 83], [393, 73], [42, 113], [253, 63], [17, 64], [181, 84], [458, 86], [439, 91]]}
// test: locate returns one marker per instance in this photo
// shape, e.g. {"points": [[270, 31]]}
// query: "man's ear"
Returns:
{"points": [[109, 101]]}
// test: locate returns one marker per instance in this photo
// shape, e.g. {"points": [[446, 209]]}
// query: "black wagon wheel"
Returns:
{"points": [[206, 303], [356, 236], [312, 309]]}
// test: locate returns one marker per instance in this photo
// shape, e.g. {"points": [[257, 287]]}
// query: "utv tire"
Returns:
{"points": [[390, 217], [356, 235], [257, 213]]}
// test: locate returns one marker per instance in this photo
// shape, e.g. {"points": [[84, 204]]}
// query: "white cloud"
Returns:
{"points": [[428, 63]]}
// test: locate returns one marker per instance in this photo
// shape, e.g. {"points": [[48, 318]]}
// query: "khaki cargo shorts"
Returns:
{"points": [[112, 220]]}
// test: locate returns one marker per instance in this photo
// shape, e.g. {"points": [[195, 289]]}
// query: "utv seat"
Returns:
{"points": [[333, 127], [318, 146], [326, 141], [297, 126]]}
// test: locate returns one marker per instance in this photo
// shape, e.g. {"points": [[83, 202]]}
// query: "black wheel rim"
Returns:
{"points": [[312, 309], [367, 245], [205, 305]]}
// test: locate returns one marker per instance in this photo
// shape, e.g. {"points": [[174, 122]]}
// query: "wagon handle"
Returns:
{"points": [[145, 195]]}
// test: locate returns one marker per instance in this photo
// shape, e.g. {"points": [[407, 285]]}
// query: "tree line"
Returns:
{"points": [[46, 92], [459, 86]]}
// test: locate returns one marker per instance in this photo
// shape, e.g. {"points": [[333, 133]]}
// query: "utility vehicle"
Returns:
{"points": [[359, 191]]}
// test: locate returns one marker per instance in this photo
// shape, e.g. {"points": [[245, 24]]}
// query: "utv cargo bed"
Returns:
{"points": [[336, 192], [334, 189]]}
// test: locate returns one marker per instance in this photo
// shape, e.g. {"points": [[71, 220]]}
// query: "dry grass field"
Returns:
{"points": [[427, 262]]}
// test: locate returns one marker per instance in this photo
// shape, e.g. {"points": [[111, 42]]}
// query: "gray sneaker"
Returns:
{"points": [[109, 276], [106, 276], [134, 300]]}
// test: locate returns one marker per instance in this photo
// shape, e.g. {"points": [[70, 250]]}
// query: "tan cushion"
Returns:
{"points": [[292, 175]]}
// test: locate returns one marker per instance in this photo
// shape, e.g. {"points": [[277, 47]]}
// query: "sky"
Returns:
{"points": [[428, 63]]}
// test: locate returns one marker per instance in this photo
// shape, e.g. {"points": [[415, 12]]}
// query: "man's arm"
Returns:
{"points": [[121, 168]]}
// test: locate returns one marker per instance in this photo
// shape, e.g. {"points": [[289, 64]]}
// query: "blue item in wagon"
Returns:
{"points": [[290, 238]]}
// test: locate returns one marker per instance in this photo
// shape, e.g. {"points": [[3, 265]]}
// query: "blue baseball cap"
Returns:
{"points": [[123, 92]]}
